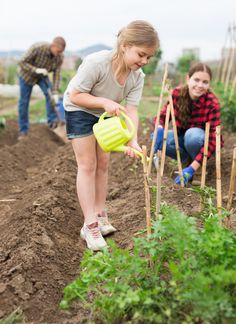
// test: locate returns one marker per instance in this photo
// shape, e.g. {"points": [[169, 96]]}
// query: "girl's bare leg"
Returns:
{"points": [[101, 179], [101, 192], [85, 153]]}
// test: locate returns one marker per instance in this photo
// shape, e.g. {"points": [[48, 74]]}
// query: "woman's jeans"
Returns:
{"points": [[23, 106], [190, 144]]}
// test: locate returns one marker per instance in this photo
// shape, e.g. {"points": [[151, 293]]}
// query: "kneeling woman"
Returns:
{"points": [[194, 105]]}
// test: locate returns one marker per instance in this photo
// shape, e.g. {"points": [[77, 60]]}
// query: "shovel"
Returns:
{"points": [[60, 129]]}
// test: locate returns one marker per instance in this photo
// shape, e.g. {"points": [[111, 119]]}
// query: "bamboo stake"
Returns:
{"points": [[222, 58], [147, 192], [232, 181], [232, 88], [231, 59], [163, 153], [158, 196], [204, 163], [176, 141], [157, 118], [232, 55], [218, 172], [227, 57]]}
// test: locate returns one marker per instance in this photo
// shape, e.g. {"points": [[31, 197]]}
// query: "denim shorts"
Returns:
{"points": [[79, 123]]}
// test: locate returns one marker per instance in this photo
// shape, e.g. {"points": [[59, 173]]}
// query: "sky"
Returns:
{"points": [[179, 23]]}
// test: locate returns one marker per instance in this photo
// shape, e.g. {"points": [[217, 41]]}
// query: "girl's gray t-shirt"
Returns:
{"points": [[95, 76]]}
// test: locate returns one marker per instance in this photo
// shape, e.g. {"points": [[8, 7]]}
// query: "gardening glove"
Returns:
{"points": [[159, 139], [187, 173], [155, 161], [41, 71], [55, 98]]}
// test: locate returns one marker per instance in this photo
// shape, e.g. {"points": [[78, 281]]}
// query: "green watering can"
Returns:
{"points": [[112, 133]]}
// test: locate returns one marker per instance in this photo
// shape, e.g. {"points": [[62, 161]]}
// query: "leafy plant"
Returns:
{"points": [[209, 208], [228, 114], [11, 74], [184, 62], [207, 197], [228, 106], [66, 76], [179, 274]]}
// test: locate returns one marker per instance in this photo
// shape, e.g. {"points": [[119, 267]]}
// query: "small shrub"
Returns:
{"points": [[228, 106]]}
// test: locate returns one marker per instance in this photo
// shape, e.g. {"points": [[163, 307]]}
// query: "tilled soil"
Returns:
{"points": [[40, 218]]}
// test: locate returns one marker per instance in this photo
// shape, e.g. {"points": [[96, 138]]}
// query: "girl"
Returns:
{"points": [[102, 82], [194, 105]]}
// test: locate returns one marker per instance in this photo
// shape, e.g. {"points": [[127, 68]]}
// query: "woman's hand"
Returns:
{"points": [[132, 144], [112, 107]]}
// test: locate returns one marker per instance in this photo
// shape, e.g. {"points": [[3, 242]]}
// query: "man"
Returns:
{"points": [[35, 65]]}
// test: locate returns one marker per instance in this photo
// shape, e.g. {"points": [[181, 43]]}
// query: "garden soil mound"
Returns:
{"points": [[40, 218]]}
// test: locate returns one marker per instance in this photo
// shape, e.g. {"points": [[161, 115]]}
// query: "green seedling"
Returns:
{"points": [[180, 274], [208, 201], [16, 317]]}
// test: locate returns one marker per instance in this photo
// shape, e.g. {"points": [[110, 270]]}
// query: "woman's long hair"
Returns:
{"points": [[137, 33], [185, 100]]}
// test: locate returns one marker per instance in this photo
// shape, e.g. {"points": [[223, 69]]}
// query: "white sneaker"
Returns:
{"points": [[93, 237], [22, 136], [104, 225]]}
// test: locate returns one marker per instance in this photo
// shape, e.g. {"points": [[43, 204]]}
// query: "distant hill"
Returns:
{"points": [[17, 54], [92, 49]]}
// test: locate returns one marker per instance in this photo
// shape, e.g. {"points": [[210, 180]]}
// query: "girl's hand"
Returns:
{"points": [[132, 144], [112, 107]]}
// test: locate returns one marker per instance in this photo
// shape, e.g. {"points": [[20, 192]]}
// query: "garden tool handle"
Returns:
{"points": [[53, 103]]}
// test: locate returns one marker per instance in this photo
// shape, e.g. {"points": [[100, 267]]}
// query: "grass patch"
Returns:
{"points": [[147, 108], [7, 101], [37, 112]]}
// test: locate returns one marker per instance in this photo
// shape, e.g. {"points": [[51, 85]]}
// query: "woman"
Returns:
{"points": [[194, 105]]}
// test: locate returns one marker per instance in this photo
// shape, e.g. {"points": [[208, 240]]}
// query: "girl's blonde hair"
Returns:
{"points": [[138, 33], [185, 100]]}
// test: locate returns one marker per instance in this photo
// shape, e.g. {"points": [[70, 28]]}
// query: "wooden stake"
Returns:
{"points": [[232, 55], [204, 163], [163, 153], [157, 119], [158, 196], [147, 192], [227, 58], [230, 59], [218, 171], [232, 181], [222, 58], [176, 141], [232, 88]]}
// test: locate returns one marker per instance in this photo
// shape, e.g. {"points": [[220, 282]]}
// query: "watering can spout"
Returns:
{"points": [[123, 148]]}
